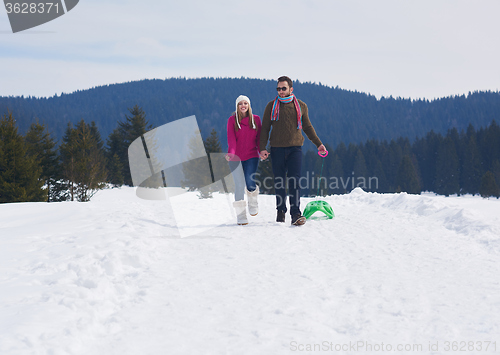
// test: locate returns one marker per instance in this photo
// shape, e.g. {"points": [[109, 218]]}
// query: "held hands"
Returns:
{"points": [[264, 155]]}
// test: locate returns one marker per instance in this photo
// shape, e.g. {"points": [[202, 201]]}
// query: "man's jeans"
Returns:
{"points": [[287, 165]]}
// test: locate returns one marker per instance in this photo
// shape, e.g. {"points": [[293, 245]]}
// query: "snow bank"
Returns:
{"points": [[113, 276]]}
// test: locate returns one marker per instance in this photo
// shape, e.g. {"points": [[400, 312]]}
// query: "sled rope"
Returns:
{"points": [[320, 176]]}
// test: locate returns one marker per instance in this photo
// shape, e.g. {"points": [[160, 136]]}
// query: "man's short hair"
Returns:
{"points": [[287, 79]]}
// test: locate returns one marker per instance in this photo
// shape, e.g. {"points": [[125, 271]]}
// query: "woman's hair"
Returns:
{"points": [[239, 117]]}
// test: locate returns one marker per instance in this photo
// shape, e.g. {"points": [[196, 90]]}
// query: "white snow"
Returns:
{"points": [[394, 272]]}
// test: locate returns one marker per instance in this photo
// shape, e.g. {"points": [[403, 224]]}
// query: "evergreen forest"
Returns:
{"points": [[338, 115], [36, 166], [67, 147]]}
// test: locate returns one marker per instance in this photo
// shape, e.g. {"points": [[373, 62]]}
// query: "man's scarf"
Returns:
{"points": [[275, 113]]}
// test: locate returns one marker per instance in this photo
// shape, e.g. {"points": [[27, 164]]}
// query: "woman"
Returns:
{"points": [[243, 132]]}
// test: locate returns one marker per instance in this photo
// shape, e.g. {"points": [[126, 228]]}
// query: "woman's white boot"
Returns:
{"points": [[253, 204], [241, 212]]}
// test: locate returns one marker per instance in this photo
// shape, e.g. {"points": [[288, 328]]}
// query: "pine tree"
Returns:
{"points": [[426, 151], [496, 171], [196, 169], [120, 139], [115, 156], [348, 158], [372, 162], [407, 180], [360, 171], [471, 167], [492, 142], [379, 178], [83, 160], [489, 186], [212, 143], [41, 147], [218, 164], [115, 170], [447, 169], [68, 154], [392, 160], [337, 176], [20, 174]]}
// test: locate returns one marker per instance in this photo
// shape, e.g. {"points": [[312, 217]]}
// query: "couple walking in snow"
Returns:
{"points": [[285, 118]]}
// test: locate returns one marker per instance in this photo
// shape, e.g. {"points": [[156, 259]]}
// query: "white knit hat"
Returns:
{"points": [[238, 100]]}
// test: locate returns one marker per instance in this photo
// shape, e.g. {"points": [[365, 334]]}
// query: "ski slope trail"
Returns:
{"points": [[112, 276]]}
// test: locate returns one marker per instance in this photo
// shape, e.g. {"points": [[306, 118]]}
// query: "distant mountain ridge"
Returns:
{"points": [[338, 115]]}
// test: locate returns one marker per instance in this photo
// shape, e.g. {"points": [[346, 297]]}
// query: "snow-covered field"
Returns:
{"points": [[390, 273]]}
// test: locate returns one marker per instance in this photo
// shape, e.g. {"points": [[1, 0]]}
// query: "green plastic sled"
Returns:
{"points": [[315, 206]]}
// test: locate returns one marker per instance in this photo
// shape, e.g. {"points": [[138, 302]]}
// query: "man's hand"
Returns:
{"points": [[264, 154], [322, 149]]}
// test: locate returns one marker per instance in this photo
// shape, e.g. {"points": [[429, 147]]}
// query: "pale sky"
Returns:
{"points": [[404, 48]]}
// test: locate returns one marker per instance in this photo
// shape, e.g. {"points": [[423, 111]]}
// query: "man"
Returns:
{"points": [[288, 117]]}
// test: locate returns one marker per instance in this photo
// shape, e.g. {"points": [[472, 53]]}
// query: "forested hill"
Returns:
{"points": [[338, 115]]}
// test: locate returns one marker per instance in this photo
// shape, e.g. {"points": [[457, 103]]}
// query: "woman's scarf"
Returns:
{"points": [[275, 113]]}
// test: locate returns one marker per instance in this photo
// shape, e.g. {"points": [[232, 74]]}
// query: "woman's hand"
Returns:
{"points": [[264, 154]]}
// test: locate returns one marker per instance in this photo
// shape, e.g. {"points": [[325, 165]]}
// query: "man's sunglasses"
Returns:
{"points": [[284, 88]]}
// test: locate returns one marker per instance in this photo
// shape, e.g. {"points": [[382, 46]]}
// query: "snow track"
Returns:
{"points": [[113, 277]]}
